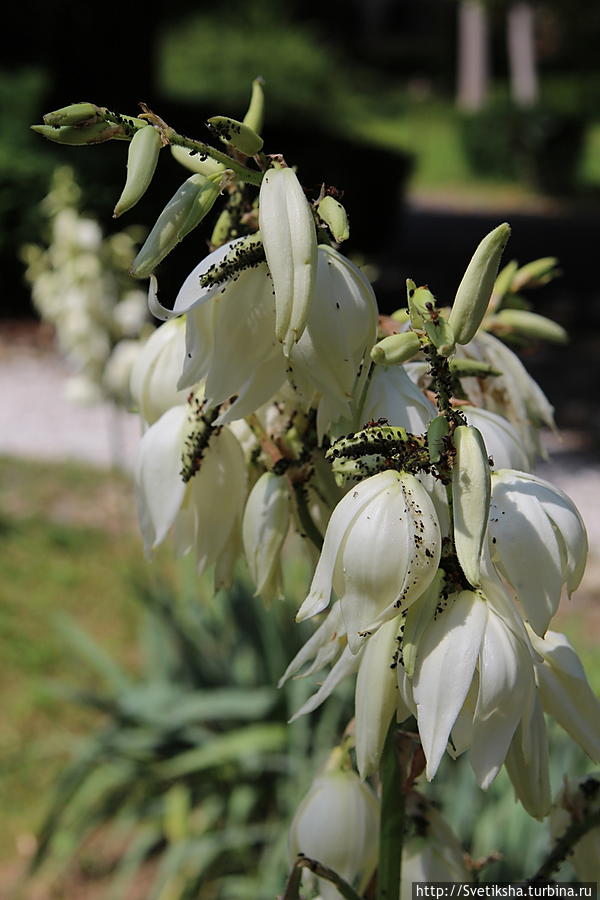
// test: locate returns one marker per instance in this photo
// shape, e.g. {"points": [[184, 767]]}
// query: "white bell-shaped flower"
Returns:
{"points": [[230, 336], [381, 551], [264, 529], [156, 371], [340, 330], [166, 502], [337, 823], [565, 692], [537, 541]]}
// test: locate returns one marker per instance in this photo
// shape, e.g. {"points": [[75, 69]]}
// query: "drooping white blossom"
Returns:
{"points": [[204, 513], [537, 541], [337, 823], [381, 551]]}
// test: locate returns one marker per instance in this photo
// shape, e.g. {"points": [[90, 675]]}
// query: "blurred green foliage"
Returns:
{"points": [[25, 164], [212, 57]]}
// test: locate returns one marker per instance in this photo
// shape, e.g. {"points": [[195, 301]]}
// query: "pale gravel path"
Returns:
{"points": [[37, 421]]}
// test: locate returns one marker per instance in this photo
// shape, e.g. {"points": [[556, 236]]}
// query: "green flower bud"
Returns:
{"points": [[400, 315], [527, 324], [471, 491], [396, 349], [79, 136], [436, 432], [535, 273], [75, 114], [474, 291], [184, 211], [466, 368], [195, 162], [346, 469], [142, 158], [222, 229], [255, 115], [236, 133], [503, 283], [420, 303], [335, 217]]}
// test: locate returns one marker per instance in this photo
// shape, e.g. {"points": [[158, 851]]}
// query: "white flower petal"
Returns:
{"points": [[326, 633], [505, 684], [446, 660], [347, 664], [289, 240], [565, 692], [375, 696], [528, 769], [344, 514], [160, 489]]}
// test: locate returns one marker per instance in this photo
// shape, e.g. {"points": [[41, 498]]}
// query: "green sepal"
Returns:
{"points": [[222, 229], [240, 136], [400, 315]]}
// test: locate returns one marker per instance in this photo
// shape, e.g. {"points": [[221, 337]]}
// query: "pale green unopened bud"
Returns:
{"points": [[255, 114], [184, 211], [436, 433], [346, 469], [337, 823], [75, 114], [79, 136], [467, 368], [195, 162], [396, 349], [237, 134], [400, 315], [503, 283], [471, 490], [474, 291], [527, 324], [335, 217], [221, 231], [535, 273], [142, 158], [420, 302]]}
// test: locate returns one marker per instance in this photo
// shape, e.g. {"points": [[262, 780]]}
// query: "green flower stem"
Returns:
{"points": [[303, 862], [170, 136], [308, 526], [576, 830], [392, 821]]}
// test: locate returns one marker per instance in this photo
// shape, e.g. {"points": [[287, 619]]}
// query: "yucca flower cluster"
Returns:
{"points": [[401, 449]]}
